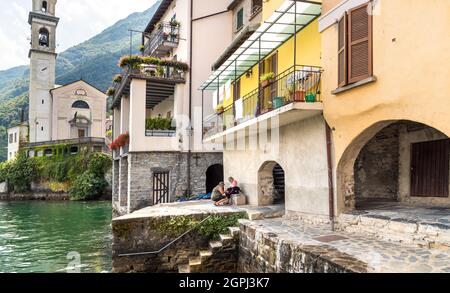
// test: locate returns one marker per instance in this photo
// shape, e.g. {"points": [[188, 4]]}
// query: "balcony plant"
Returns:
{"points": [[174, 23], [133, 61], [159, 123], [266, 79], [117, 78], [111, 91], [220, 109], [121, 141]]}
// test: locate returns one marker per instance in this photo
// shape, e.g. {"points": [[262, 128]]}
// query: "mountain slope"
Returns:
{"points": [[94, 60]]}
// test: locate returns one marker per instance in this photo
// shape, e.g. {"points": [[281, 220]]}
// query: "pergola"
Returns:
{"points": [[291, 17]]}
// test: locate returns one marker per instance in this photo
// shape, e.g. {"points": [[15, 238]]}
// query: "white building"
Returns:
{"points": [[57, 113]]}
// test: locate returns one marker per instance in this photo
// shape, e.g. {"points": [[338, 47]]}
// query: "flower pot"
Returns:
{"points": [[265, 83], [310, 98], [278, 102], [299, 96]]}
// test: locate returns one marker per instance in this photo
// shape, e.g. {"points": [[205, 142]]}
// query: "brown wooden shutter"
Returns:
{"points": [[342, 51], [359, 43]]}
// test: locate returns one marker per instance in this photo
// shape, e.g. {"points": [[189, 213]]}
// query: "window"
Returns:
{"points": [[44, 6], [355, 46], [42, 128], [15, 137], [43, 37], [80, 105], [240, 19], [256, 7], [11, 138], [42, 101]]}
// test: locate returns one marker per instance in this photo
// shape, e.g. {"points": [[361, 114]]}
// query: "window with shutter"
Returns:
{"points": [[359, 43], [342, 51]]}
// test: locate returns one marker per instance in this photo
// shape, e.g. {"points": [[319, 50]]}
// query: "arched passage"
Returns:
{"points": [[271, 184], [394, 161], [214, 175]]}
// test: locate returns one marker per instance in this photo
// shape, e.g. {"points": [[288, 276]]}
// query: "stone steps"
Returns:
{"points": [[195, 263]]}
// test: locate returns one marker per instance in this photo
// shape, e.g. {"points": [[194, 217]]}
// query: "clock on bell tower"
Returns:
{"points": [[42, 68]]}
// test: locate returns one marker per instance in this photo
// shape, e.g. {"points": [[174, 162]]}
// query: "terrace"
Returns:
{"points": [[163, 39]]}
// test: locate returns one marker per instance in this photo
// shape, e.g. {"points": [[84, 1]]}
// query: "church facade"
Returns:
{"points": [[71, 113]]}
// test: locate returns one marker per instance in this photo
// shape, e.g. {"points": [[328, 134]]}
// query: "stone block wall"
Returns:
{"points": [[123, 181], [376, 168], [134, 235], [115, 181], [266, 253], [144, 165]]}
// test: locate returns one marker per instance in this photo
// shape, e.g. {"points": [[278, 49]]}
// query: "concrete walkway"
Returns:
{"points": [[205, 207], [350, 250]]}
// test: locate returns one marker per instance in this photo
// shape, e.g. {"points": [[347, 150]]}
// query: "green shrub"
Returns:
{"points": [[99, 164], [88, 186], [158, 123], [21, 172]]}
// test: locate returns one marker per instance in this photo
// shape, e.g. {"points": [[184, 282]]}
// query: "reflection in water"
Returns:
{"points": [[55, 236]]}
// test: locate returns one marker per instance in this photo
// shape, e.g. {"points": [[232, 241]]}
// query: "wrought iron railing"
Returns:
{"points": [[296, 84], [160, 133], [166, 32], [256, 9]]}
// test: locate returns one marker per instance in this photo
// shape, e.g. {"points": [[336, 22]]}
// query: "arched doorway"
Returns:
{"points": [[214, 175], [271, 184], [395, 162]]}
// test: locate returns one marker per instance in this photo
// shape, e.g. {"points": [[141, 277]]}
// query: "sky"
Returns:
{"points": [[79, 21]]}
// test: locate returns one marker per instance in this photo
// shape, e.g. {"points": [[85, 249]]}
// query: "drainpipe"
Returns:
{"points": [[330, 176], [189, 189]]}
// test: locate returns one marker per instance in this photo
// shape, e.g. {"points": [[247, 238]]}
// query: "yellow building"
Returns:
{"points": [[358, 115], [269, 110], [385, 91]]}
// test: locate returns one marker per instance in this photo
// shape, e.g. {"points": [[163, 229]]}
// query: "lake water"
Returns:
{"points": [[55, 237]]}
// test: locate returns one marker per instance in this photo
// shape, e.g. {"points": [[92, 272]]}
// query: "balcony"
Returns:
{"points": [[161, 83], [294, 90], [163, 39]]}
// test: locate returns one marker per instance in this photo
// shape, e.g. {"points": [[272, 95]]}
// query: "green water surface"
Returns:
{"points": [[55, 237]]}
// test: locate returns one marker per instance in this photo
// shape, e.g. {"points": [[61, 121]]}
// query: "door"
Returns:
{"points": [[430, 169], [81, 133], [160, 187]]}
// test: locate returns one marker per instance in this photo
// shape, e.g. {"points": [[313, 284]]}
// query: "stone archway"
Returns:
{"points": [[377, 165], [271, 184], [214, 175]]}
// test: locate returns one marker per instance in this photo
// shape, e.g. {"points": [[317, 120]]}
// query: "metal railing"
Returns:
{"points": [[164, 32], [297, 84], [160, 133], [256, 9], [76, 141], [168, 244]]}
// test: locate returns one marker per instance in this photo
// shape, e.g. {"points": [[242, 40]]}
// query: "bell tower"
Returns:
{"points": [[42, 68]]}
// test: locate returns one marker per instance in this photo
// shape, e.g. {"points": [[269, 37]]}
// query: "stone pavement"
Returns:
{"points": [[205, 207], [353, 251], [407, 213]]}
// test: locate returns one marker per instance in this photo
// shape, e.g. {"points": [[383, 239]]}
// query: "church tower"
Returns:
{"points": [[42, 68]]}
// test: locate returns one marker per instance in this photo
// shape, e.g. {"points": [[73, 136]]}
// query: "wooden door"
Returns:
{"points": [[430, 169], [161, 187]]}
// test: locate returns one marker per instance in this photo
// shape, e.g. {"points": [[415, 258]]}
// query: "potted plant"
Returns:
{"points": [[266, 79], [299, 92], [111, 91], [278, 102], [173, 36], [219, 109], [268, 108], [174, 23]]}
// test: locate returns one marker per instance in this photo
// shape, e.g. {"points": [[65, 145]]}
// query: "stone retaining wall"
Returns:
{"points": [[266, 253]]}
